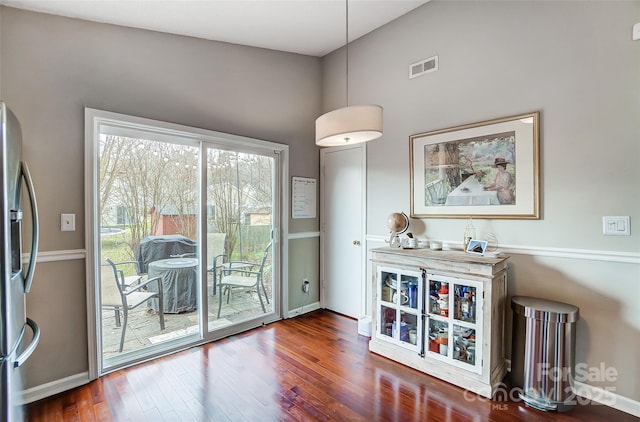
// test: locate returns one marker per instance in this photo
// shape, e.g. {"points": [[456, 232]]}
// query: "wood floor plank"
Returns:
{"points": [[84, 404], [311, 368], [102, 412]]}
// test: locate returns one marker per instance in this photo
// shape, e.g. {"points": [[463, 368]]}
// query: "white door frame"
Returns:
{"points": [[363, 249]]}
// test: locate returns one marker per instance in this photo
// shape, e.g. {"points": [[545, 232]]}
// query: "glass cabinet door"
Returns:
{"points": [[466, 330], [454, 312], [438, 315], [400, 302]]}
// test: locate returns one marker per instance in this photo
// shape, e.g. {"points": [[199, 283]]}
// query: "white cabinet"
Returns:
{"points": [[441, 312]]}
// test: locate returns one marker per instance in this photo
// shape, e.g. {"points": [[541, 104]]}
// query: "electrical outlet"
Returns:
{"points": [[305, 285], [67, 222]]}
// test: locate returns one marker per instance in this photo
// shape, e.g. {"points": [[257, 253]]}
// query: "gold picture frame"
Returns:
{"points": [[488, 169]]}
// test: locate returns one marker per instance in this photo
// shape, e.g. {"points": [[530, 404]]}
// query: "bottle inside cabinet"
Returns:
{"points": [[413, 294], [464, 303], [438, 298]]}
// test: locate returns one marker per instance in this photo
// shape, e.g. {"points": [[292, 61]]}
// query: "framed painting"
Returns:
{"points": [[488, 169]]}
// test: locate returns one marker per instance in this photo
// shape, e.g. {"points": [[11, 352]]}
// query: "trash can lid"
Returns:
{"points": [[544, 310]]}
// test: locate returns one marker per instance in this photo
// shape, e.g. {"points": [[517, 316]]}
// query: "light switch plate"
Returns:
{"points": [[67, 222], [616, 226]]}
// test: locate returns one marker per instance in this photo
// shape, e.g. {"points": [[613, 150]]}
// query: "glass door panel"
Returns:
{"points": [[467, 324], [410, 312], [464, 344], [464, 303], [387, 286], [240, 203], [387, 320], [438, 298], [149, 244], [409, 328], [455, 321], [400, 306], [438, 337], [438, 315]]}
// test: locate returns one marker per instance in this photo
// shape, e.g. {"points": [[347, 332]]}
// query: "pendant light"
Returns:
{"points": [[351, 124]]}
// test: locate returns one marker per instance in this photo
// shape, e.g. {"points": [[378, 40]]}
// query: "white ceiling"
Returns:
{"points": [[311, 27]]}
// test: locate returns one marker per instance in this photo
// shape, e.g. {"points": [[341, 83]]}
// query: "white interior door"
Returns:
{"points": [[343, 209]]}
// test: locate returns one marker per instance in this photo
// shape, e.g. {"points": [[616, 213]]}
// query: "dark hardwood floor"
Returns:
{"points": [[311, 368]]}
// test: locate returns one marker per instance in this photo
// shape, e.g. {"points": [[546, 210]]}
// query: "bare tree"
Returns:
{"points": [[225, 195], [181, 189], [145, 177], [151, 178], [111, 153]]}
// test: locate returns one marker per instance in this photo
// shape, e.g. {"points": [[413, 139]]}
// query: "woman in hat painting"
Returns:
{"points": [[503, 183]]}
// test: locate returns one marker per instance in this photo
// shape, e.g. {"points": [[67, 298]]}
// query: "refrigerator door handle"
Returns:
{"points": [[35, 232], [32, 345]]}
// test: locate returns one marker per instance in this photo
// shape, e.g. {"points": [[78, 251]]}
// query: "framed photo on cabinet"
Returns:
{"points": [[488, 169]]}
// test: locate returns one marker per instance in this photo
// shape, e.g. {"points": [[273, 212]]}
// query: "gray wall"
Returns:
{"points": [[575, 62], [53, 67]]}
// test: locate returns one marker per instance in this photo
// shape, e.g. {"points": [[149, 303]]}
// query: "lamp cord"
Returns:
{"points": [[347, 51]]}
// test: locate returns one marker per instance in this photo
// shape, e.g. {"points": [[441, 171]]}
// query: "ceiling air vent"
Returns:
{"points": [[423, 66]]}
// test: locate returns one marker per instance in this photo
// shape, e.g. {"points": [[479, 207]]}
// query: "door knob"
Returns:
{"points": [[356, 242]]}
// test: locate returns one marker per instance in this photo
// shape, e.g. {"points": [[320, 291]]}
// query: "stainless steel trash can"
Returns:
{"points": [[543, 352]]}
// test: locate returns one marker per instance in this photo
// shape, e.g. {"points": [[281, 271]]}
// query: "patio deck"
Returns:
{"points": [[143, 328]]}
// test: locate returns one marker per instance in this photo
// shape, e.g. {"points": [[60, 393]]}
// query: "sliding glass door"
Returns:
{"points": [[149, 218], [184, 235], [240, 225]]}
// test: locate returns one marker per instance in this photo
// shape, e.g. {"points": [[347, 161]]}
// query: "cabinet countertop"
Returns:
{"points": [[448, 255]]}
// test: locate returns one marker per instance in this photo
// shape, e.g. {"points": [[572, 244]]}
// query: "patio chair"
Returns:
{"points": [[436, 192], [241, 274], [216, 256], [119, 296]]}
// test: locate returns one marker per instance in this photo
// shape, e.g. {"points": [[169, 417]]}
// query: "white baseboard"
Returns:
{"points": [[303, 310], [303, 235], [54, 387], [606, 398], [602, 396]]}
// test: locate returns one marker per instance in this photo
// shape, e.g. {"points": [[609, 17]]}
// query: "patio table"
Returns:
{"points": [[471, 192], [179, 284]]}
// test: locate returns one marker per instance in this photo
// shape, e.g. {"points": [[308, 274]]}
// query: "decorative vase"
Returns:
{"points": [[469, 233]]}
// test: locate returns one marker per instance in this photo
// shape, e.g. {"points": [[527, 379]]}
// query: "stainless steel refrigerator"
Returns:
{"points": [[16, 344]]}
